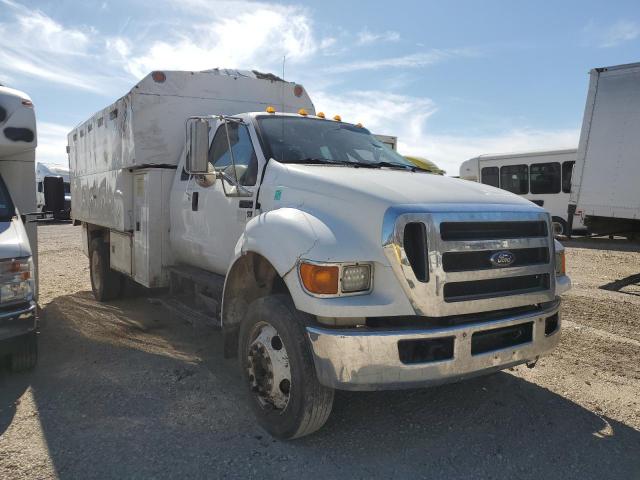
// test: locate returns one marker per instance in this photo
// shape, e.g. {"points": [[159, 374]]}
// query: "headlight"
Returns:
{"points": [[16, 280], [356, 278], [335, 279]]}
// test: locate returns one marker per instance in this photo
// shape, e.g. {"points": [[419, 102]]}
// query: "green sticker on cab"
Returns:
{"points": [[278, 195]]}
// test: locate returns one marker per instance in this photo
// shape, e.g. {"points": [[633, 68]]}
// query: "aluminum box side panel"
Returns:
{"points": [[159, 119], [104, 142], [151, 250], [608, 167], [103, 199], [120, 254]]}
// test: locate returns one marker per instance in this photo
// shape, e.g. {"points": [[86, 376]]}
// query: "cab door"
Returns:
{"points": [[217, 206]]}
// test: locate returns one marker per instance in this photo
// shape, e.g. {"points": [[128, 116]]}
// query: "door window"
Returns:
{"points": [[545, 177], [244, 156], [567, 170], [489, 176], [515, 178]]}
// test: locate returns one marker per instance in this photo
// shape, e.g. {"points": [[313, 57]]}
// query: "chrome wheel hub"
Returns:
{"points": [[268, 367]]}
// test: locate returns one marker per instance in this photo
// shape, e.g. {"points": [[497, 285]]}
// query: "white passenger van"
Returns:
{"points": [[542, 177], [18, 247]]}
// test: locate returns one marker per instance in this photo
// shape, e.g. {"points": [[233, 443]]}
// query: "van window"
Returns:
{"points": [[243, 153], [489, 176], [7, 210], [515, 178], [567, 170], [40, 187], [545, 177]]}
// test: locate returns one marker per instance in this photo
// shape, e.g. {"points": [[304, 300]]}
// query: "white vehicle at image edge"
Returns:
{"points": [[18, 247], [604, 188], [330, 260]]}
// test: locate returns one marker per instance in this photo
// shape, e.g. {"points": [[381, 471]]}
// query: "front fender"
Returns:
{"points": [[286, 235]]}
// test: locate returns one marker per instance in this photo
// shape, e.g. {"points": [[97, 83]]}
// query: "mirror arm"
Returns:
{"points": [[242, 191], [233, 160]]}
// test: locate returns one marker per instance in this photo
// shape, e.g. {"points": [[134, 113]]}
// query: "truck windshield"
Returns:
{"points": [[7, 210], [313, 140]]}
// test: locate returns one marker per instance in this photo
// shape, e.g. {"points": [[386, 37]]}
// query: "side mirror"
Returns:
{"points": [[197, 146]]}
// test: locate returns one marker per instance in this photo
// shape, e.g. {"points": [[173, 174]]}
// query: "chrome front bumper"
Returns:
{"points": [[369, 359]]}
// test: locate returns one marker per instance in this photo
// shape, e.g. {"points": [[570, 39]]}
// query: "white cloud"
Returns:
{"points": [[415, 60], [34, 45], [367, 37], [52, 143], [408, 118], [269, 33], [616, 34]]}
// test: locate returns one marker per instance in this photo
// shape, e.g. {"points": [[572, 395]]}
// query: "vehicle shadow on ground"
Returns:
{"points": [[629, 285], [12, 387], [123, 391]]}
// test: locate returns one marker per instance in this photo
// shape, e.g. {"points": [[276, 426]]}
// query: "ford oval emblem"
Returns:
{"points": [[502, 259]]}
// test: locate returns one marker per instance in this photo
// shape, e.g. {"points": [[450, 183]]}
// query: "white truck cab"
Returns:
{"points": [[330, 261], [18, 247]]}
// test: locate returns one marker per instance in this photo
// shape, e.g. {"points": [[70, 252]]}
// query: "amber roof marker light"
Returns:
{"points": [[158, 77]]}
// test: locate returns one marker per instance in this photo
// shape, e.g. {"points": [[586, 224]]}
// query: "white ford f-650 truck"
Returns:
{"points": [[330, 260]]}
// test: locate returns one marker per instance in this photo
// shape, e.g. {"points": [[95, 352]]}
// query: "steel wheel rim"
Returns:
{"points": [[268, 367]]}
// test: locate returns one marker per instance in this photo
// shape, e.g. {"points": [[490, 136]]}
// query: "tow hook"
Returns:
{"points": [[533, 363]]}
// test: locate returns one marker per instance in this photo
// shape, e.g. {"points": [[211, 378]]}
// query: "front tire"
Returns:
{"points": [[25, 356], [105, 283], [277, 366]]}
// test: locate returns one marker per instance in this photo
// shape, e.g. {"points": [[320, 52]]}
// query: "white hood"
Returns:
{"points": [[390, 187], [352, 202]]}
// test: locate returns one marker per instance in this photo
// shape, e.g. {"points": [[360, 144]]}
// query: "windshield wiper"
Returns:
{"points": [[325, 161]]}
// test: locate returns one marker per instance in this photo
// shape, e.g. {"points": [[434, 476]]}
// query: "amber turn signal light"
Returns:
{"points": [[320, 279]]}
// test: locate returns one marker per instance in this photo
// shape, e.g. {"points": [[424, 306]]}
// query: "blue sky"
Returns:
{"points": [[451, 79]]}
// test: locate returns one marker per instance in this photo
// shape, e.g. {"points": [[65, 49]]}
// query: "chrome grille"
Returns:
{"points": [[459, 243]]}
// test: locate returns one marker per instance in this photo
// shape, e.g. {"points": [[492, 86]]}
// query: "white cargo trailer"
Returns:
{"points": [[544, 177], [328, 260], [604, 190]]}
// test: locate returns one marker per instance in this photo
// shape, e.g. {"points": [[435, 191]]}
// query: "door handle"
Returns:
{"points": [[245, 204], [194, 201]]}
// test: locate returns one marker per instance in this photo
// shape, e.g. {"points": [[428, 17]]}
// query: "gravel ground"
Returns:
{"points": [[123, 390]]}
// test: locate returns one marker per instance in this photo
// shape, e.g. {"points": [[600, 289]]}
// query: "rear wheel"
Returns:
{"points": [[277, 365], [560, 226], [25, 356], [105, 283]]}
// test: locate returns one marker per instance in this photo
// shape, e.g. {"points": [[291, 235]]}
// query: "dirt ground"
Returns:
{"points": [[123, 390]]}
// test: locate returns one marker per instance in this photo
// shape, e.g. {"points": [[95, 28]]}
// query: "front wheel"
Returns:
{"points": [[277, 365], [25, 356]]}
